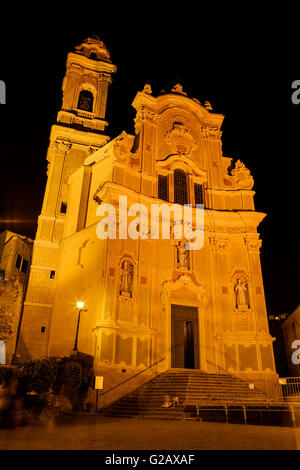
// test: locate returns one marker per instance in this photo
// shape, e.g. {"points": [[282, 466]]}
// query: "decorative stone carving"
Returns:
{"points": [[182, 255], [218, 244], [253, 245], [208, 106], [93, 149], [242, 176], [123, 145], [90, 80], [61, 147], [94, 45], [147, 89], [241, 293], [126, 278], [184, 280], [180, 139], [178, 89], [211, 132]]}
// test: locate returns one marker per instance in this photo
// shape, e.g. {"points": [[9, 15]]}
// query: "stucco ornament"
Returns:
{"points": [[180, 139], [242, 293], [147, 89], [178, 89], [242, 176], [126, 279], [208, 106], [123, 145], [182, 255]]}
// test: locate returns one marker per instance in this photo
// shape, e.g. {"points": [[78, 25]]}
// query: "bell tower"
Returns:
{"points": [[85, 86], [78, 132]]}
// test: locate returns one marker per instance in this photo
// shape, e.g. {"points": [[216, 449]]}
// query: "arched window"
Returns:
{"points": [[93, 55], [199, 194], [181, 194], [85, 101], [163, 190]]}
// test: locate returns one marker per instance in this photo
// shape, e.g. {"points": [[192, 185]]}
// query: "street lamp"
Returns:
{"points": [[80, 306]]}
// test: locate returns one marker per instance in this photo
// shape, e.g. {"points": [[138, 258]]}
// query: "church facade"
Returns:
{"points": [[146, 300]]}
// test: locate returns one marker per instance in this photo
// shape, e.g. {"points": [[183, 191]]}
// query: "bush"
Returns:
{"points": [[69, 376], [76, 375], [7, 373], [38, 375]]}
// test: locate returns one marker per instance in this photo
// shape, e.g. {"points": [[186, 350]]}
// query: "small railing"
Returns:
{"points": [[290, 388], [132, 377], [254, 390]]}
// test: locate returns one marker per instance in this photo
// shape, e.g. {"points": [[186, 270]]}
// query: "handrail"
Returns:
{"points": [[132, 377], [221, 368], [236, 377]]}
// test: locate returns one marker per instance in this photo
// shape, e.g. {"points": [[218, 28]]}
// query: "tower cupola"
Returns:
{"points": [[89, 72]]}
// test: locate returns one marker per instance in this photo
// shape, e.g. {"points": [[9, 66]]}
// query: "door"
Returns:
{"points": [[184, 347]]}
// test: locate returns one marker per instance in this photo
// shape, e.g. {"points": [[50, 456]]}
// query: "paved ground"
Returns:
{"points": [[92, 432]]}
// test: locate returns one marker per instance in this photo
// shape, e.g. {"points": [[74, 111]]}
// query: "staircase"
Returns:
{"points": [[195, 389]]}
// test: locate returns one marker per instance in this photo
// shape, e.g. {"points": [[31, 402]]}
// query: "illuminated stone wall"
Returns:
{"points": [[129, 329], [129, 333]]}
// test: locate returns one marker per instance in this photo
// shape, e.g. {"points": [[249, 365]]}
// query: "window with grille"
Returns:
{"points": [[199, 193], [180, 187], [163, 192]]}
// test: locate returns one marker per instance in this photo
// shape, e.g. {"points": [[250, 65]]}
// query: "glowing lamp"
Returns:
{"points": [[80, 304]]}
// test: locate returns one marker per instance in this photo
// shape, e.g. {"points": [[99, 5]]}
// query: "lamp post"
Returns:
{"points": [[80, 306]]}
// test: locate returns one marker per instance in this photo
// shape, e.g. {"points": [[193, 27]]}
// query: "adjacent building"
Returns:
{"points": [[15, 258]]}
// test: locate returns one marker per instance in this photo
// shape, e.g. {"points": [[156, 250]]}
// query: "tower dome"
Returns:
{"points": [[93, 48]]}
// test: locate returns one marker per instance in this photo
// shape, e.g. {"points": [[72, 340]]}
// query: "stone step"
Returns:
{"points": [[192, 387]]}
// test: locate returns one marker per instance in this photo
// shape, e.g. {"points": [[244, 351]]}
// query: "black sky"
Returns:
{"points": [[238, 69]]}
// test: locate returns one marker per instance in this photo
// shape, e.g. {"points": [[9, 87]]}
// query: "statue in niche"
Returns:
{"points": [[182, 255], [126, 279], [241, 293]]}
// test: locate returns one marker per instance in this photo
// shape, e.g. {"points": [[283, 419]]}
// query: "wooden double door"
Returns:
{"points": [[185, 344]]}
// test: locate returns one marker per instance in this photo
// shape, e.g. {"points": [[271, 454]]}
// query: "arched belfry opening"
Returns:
{"points": [[85, 101]]}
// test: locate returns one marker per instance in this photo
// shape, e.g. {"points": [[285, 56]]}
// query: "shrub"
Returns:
{"points": [[7, 373], [75, 376], [38, 375], [70, 376]]}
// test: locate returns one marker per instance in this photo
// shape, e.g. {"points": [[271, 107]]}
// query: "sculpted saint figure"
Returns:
{"points": [[241, 293], [182, 255], [126, 279]]}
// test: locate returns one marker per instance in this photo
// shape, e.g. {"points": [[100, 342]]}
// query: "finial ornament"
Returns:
{"points": [[242, 176], [147, 89], [178, 89]]}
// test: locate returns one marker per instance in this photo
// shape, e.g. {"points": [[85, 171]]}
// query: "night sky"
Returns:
{"points": [[230, 66]]}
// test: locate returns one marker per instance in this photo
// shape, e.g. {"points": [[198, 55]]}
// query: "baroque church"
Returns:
{"points": [[146, 301]]}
